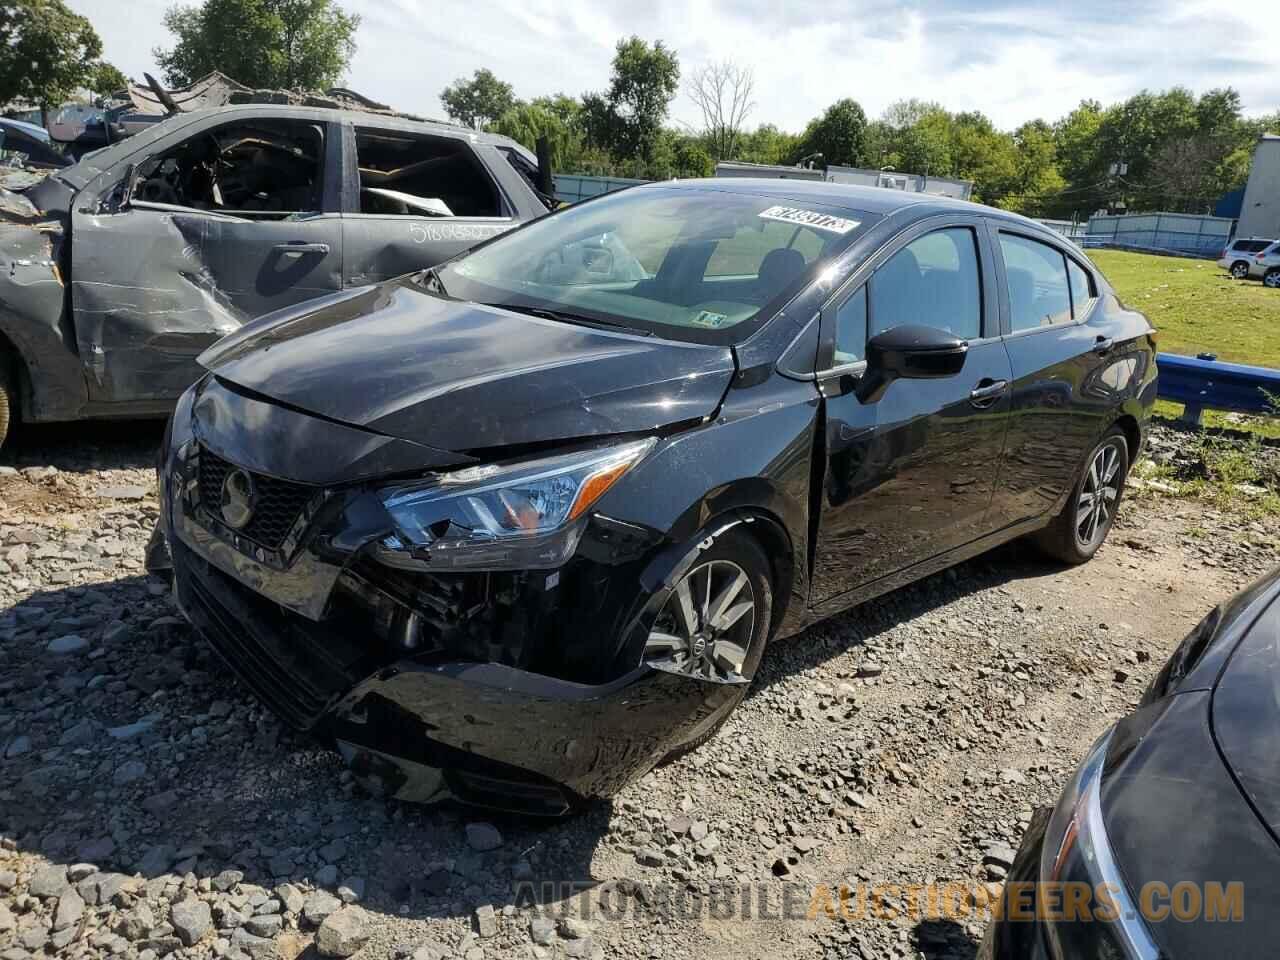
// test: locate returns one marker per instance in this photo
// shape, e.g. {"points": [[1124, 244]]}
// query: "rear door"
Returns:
{"points": [[413, 199], [910, 476], [220, 223], [1069, 368]]}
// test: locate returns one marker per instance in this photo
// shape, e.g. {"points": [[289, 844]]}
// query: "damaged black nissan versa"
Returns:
{"points": [[514, 529]]}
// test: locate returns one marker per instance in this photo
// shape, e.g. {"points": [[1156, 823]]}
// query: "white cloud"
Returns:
{"points": [[1012, 60]]}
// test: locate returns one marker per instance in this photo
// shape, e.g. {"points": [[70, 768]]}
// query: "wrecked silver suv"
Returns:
{"points": [[118, 271]]}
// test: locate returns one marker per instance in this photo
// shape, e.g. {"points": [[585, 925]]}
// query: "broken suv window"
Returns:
{"points": [[421, 176], [243, 168]]}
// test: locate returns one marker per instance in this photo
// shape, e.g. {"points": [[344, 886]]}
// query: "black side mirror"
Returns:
{"points": [[910, 352]]}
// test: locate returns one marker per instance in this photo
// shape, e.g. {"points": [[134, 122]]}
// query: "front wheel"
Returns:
{"points": [[1239, 270], [714, 624], [1272, 278], [1077, 532], [8, 397]]}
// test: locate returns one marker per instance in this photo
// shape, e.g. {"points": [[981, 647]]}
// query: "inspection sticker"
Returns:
{"points": [[809, 218]]}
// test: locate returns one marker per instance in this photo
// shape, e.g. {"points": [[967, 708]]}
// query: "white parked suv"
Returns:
{"points": [[1266, 266], [1237, 259]]}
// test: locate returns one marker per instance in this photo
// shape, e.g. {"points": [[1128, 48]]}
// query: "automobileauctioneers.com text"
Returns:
{"points": [[1155, 901]]}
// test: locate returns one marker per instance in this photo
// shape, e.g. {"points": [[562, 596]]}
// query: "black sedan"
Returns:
{"points": [[1164, 843], [514, 529]]}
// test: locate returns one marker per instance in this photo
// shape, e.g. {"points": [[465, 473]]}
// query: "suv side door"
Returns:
{"points": [[1060, 346], [228, 218], [414, 198], [910, 475]]}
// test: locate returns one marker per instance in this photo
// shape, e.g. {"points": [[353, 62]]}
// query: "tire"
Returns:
{"points": [[1239, 270], [733, 553], [8, 397], [1063, 538], [1272, 278]]}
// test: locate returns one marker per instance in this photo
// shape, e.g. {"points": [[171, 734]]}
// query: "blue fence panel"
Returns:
{"points": [[1181, 233], [1199, 382], [570, 187]]}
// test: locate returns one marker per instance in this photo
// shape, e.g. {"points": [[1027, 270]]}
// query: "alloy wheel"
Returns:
{"points": [[1239, 271], [1272, 279], [706, 626], [1095, 507]]}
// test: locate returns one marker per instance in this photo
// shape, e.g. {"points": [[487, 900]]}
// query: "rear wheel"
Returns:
{"points": [[8, 396], [1240, 269], [1078, 531], [1272, 278], [715, 623]]}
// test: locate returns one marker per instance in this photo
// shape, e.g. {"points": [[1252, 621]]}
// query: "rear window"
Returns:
{"points": [[1251, 246], [410, 175]]}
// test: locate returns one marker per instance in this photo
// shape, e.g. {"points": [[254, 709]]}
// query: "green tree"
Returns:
{"points": [[527, 122], [46, 52], [839, 135], [767, 144], [285, 44], [627, 119], [478, 101], [105, 79]]}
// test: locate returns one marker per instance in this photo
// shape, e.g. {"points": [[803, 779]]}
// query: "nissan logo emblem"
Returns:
{"points": [[239, 496]]}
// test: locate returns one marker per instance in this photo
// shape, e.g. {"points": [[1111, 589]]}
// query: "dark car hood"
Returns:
{"points": [[1246, 713], [462, 376]]}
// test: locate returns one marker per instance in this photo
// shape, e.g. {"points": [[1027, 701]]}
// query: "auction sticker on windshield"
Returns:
{"points": [[809, 218]]}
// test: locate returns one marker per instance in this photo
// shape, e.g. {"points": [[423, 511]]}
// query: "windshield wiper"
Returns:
{"points": [[577, 319]]}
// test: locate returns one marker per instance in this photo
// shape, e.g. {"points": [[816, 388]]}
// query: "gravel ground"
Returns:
{"points": [[151, 808]]}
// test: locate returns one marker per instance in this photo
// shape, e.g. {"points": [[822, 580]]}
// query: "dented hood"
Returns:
{"points": [[462, 376]]}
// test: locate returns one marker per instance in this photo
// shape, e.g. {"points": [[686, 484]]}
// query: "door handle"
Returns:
{"points": [[1102, 346], [296, 250], [987, 392]]}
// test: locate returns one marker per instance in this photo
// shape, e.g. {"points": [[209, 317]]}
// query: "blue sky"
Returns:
{"points": [[1013, 60]]}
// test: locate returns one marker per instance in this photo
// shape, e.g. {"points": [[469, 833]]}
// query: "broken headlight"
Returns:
{"points": [[523, 515]]}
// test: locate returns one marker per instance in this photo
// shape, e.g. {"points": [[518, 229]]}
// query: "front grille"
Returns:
{"points": [[296, 667], [278, 504]]}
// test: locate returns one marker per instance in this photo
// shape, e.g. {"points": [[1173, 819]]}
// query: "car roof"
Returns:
{"points": [[390, 121], [877, 200], [30, 129]]}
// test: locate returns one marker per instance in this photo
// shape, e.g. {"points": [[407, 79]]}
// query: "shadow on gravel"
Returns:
{"points": [[864, 624], [130, 747], [99, 445], [944, 940]]}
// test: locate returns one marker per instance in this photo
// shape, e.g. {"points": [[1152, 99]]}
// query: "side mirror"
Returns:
{"points": [[910, 352]]}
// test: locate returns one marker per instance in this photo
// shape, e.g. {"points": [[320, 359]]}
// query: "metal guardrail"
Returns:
{"points": [[1204, 381]]}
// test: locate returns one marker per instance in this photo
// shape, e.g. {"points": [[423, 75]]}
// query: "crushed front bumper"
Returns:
{"points": [[482, 733]]}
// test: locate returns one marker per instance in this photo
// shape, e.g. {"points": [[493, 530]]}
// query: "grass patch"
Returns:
{"points": [[1197, 307], [1233, 476], [1262, 426]]}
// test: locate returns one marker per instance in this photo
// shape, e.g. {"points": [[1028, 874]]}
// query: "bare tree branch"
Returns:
{"points": [[722, 91]]}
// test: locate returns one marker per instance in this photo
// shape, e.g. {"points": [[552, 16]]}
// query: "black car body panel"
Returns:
{"points": [[847, 493], [449, 374], [119, 270], [1188, 794]]}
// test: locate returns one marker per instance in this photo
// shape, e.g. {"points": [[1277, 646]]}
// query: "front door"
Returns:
{"points": [[218, 227], [910, 475]]}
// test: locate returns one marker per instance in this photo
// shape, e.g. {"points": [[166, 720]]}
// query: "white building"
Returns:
{"points": [[1260, 210]]}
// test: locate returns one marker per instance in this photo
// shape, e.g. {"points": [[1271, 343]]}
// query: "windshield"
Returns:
{"points": [[704, 265]]}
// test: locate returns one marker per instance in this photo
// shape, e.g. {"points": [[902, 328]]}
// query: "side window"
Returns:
{"points": [[933, 281], [1038, 289], [410, 175], [851, 329], [1082, 292], [267, 167]]}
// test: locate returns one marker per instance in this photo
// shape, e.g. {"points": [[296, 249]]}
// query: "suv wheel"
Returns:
{"points": [[1077, 532], [1239, 270], [1272, 278], [715, 622]]}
